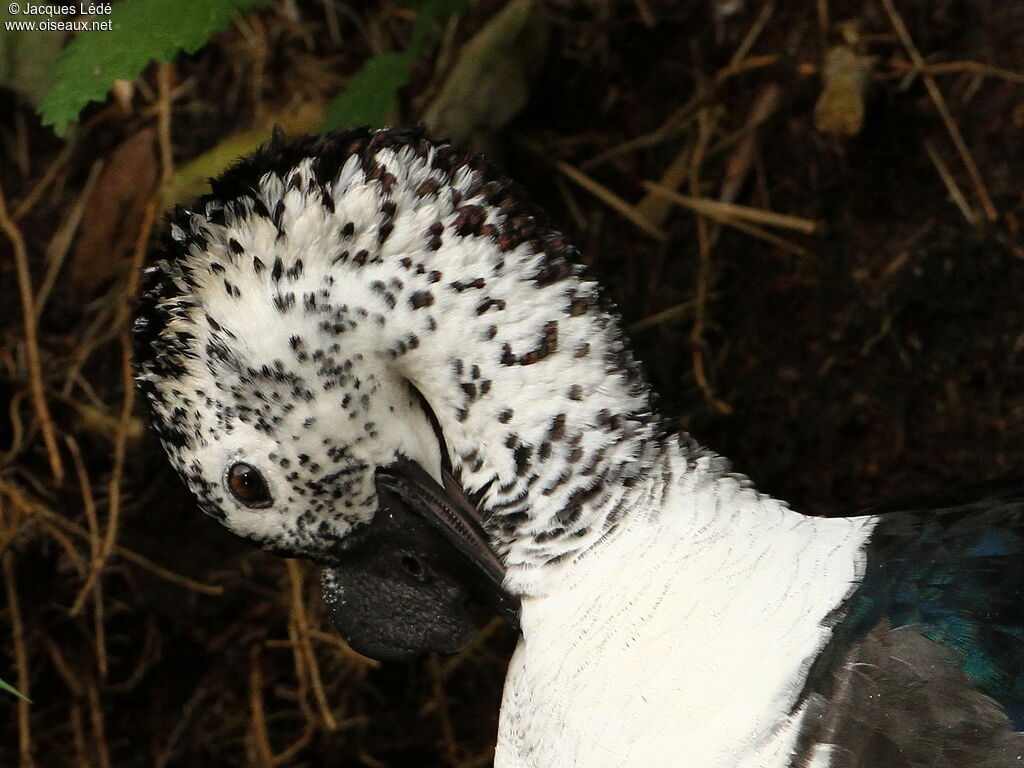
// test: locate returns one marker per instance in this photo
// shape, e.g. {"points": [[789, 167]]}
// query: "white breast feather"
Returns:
{"points": [[683, 640]]}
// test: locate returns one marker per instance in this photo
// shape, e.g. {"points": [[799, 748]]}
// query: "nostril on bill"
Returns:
{"points": [[413, 567]]}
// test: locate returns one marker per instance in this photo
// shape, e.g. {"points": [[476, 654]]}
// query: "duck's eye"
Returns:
{"points": [[248, 486]]}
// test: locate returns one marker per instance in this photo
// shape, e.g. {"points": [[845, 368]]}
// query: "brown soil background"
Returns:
{"points": [[880, 355]]}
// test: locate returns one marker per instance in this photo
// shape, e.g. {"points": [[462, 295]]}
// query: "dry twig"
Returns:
{"points": [[676, 312], [722, 211], [20, 662], [701, 299], [31, 342], [305, 646], [612, 200], [36, 194], [943, 109], [441, 706], [60, 243], [959, 67], [260, 753], [951, 186], [31, 507], [99, 729]]}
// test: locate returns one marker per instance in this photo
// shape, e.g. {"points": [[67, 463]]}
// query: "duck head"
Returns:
{"points": [[367, 349]]}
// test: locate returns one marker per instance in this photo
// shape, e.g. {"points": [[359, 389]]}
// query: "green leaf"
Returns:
{"points": [[142, 31], [371, 97], [372, 93], [11, 689]]}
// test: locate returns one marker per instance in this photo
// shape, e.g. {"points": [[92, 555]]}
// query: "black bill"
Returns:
{"points": [[405, 583]]}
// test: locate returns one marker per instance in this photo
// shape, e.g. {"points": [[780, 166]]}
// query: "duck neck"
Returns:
{"points": [[468, 295], [728, 592], [546, 416]]}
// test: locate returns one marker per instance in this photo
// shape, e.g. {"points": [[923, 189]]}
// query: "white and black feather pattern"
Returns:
{"points": [[339, 303], [327, 276]]}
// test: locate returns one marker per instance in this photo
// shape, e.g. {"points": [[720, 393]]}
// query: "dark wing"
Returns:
{"points": [[926, 663]]}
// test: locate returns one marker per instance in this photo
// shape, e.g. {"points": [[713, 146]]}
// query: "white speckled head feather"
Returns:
{"points": [[300, 310]]}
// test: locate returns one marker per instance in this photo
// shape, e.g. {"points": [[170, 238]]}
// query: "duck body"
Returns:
{"points": [[761, 637], [367, 349]]}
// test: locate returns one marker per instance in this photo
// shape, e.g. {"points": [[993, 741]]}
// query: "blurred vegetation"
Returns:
{"points": [[809, 214], [63, 82], [141, 31]]}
